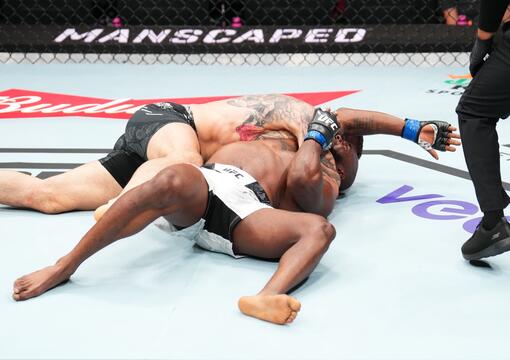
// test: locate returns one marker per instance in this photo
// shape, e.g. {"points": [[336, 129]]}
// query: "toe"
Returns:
{"points": [[294, 304], [18, 282], [21, 286], [19, 296], [291, 317]]}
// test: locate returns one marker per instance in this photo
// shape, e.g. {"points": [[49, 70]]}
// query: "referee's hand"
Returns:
{"points": [[481, 50]]}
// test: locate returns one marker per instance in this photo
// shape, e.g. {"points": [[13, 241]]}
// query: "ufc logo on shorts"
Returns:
{"points": [[233, 172]]}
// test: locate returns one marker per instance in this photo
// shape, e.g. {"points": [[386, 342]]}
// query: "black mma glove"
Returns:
{"points": [[322, 128], [413, 128], [481, 49]]}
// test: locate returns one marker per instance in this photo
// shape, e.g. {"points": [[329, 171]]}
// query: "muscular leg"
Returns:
{"points": [[299, 240], [83, 188], [179, 192], [172, 144]]}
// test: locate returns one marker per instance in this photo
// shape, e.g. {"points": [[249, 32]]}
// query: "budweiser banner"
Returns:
{"points": [[246, 39], [17, 103]]}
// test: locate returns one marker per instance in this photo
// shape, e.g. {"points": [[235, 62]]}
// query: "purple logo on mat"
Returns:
{"points": [[443, 209]]}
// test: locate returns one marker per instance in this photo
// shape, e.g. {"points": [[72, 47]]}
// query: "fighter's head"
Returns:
{"points": [[346, 150]]}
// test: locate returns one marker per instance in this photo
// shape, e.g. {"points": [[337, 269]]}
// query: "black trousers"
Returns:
{"points": [[485, 101]]}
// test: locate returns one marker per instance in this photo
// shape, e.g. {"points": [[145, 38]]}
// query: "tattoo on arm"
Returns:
{"points": [[363, 124], [366, 122], [269, 110]]}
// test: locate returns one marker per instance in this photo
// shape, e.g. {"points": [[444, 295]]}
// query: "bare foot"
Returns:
{"points": [[279, 309], [38, 282]]}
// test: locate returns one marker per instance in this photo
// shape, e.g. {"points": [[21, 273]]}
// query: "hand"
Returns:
{"points": [[322, 128], [481, 50], [451, 16], [432, 135]]}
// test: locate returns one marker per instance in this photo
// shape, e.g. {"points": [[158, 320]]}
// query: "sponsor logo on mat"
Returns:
{"points": [[435, 206], [456, 84]]}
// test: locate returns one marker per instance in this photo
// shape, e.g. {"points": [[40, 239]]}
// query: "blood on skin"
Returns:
{"points": [[248, 132]]}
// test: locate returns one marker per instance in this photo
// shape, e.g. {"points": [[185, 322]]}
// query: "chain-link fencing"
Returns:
{"points": [[238, 31]]}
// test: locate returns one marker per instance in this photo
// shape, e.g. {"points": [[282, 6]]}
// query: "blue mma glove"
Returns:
{"points": [[322, 128], [413, 128]]}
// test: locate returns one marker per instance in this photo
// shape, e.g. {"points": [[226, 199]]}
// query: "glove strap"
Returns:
{"points": [[318, 137], [411, 129]]}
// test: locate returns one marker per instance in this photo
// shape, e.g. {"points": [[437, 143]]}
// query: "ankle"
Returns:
{"points": [[269, 292], [66, 266], [491, 218]]}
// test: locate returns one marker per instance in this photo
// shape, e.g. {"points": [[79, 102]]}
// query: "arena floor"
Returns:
{"points": [[392, 286]]}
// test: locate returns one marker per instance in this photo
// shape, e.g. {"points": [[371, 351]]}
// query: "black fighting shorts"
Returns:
{"points": [[130, 150]]}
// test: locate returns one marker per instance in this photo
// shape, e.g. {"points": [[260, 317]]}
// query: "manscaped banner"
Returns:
{"points": [[259, 39], [18, 103]]}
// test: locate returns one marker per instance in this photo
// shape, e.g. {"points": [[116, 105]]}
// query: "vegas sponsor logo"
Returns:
{"points": [[435, 206], [456, 85], [18, 103]]}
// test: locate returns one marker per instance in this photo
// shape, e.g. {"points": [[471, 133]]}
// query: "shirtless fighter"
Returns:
{"points": [[233, 199], [162, 134]]}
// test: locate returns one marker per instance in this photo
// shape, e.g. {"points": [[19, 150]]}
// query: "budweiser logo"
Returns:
{"points": [[17, 103]]}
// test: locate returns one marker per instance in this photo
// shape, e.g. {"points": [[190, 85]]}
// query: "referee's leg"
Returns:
{"points": [[486, 100]]}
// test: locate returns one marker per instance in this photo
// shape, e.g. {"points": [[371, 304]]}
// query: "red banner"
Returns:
{"points": [[17, 103]]}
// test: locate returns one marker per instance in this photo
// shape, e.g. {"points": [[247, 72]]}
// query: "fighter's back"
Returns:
{"points": [[247, 118]]}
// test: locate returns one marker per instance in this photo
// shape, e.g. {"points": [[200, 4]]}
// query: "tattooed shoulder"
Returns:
{"points": [[267, 109], [255, 101]]}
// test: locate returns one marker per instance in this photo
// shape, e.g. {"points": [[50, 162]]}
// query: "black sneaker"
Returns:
{"points": [[485, 243]]}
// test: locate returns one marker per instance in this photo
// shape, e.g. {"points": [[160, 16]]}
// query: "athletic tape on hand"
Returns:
{"points": [[425, 144], [317, 136], [411, 130]]}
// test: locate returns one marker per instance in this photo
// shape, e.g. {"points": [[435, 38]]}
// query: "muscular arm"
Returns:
{"points": [[312, 180], [275, 113], [364, 122]]}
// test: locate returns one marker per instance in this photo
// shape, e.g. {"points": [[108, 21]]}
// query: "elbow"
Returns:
{"points": [[326, 210], [307, 178], [307, 191]]}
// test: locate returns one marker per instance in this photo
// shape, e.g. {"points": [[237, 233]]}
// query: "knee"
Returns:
{"points": [[171, 182], [322, 232], [192, 157], [197, 159], [45, 198]]}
